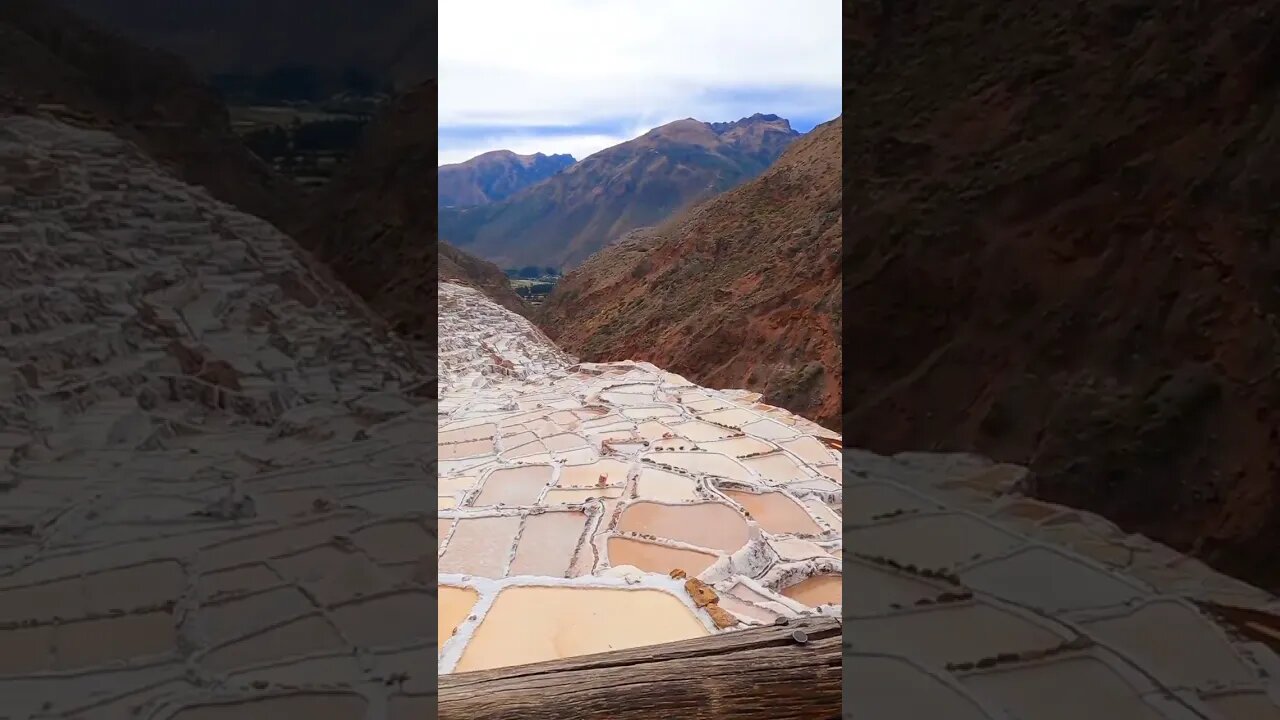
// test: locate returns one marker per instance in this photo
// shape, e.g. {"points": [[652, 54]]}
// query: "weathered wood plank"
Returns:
{"points": [[755, 673]]}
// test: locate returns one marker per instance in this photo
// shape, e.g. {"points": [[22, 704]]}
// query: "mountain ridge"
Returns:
{"points": [[494, 176], [564, 219]]}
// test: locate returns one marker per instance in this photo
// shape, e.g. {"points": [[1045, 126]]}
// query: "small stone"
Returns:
{"points": [[799, 636], [702, 593], [721, 617]]}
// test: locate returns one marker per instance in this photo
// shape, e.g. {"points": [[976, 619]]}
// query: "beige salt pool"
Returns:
{"points": [[655, 558], [815, 591], [776, 512], [564, 441], [458, 483], [809, 449], [573, 496], [512, 441], [467, 449], [709, 525], [739, 446], [655, 484], [455, 605], [547, 543], [732, 416], [647, 413], [514, 486], [653, 430], [703, 462], [699, 431], [466, 434], [480, 546], [777, 468], [526, 450], [700, 403], [769, 430], [533, 624], [614, 472], [626, 399]]}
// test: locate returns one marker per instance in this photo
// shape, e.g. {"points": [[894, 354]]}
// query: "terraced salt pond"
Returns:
{"points": [[570, 494]]}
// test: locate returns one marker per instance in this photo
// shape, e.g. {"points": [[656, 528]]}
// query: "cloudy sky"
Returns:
{"points": [[577, 76]]}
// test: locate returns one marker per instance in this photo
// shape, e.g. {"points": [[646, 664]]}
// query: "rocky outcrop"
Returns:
{"points": [[495, 176], [1064, 255], [642, 182], [741, 291], [53, 63]]}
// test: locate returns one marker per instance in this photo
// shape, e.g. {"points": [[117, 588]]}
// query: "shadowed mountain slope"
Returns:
{"points": [[375, 224], [1065, 255]]}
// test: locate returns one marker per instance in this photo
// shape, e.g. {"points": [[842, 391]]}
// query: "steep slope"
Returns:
{"points": [[51, 60], [1064, 255], [459, 267], [295, 46], [741, 291], [182, 395], [375, 223], [495, 176], [639, 183]]}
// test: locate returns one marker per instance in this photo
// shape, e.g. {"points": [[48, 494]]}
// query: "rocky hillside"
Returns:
{"points": [[309, 48], [742, 291], [459, 267], [182, 394], [495, 176], [51, 61], [1065, 255], [374, 225], [639, 183]]}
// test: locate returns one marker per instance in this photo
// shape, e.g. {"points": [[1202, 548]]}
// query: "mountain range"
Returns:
{"points": [[742, 290], [565, 219], [495, 176]]}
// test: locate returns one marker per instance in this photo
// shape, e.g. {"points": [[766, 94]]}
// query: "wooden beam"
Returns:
{"points": [[761, 673]]}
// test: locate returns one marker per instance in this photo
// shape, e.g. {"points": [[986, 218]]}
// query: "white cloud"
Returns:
{"points": [[632, 64]]}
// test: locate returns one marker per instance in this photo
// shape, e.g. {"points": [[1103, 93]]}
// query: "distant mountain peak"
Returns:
{"points": [[495, 176], [759, 119]]}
